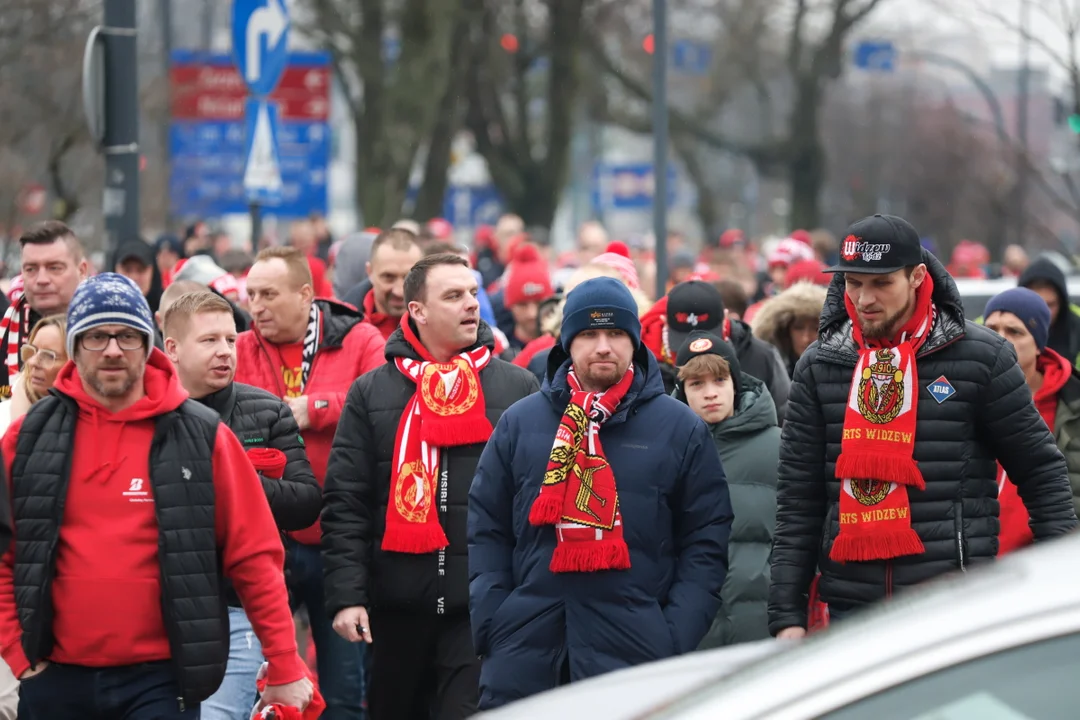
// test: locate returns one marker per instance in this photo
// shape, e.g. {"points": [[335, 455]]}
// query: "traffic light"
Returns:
{"points": [[649, 44], [1074, 123]]}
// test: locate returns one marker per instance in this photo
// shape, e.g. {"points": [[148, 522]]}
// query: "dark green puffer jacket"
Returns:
{"points": [[749, 445]]}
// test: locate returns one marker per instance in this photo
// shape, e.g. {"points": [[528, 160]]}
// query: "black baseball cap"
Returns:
{"points": [[878, 245], [693, 305], [136, 250]]}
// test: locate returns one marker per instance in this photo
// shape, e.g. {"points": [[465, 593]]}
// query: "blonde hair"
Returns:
{"points": [[59, 322], [294, 260], [178, 315], [702, 366]]}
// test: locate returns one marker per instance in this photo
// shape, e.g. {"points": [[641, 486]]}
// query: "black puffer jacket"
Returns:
{"points": [[357, 491], [259, 419], [989, 417]]}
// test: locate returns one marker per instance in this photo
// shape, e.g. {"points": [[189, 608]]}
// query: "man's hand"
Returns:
{"points": [[295, 694], [36, 670], [299, 406], [352, 624], [791, 633]]}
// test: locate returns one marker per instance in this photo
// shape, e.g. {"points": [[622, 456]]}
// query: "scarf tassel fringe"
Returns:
{"points": [[546, 509], [900, 470], [863, 548], [591, 557], [415, 538]]}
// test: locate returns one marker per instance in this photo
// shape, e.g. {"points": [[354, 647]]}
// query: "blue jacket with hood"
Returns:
{"points": [[534, 628]]}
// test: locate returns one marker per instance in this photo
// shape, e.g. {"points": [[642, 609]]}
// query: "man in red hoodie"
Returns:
{"points": [[1022, 317], [308, 352], [393, 254], [132, 507]]}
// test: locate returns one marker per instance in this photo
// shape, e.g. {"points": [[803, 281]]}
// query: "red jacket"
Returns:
{"points": [[106, 589], [1015, 531], [349, 349], [544, 342], [385, 324], [318, 277], [652, 327]]}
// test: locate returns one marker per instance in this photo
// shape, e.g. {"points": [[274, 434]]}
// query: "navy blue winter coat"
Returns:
{"points": [[528, 622]]}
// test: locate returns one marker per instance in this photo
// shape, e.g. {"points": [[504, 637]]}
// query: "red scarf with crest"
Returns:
{"points": [[876, 464], [578, 495], [446, 410]]}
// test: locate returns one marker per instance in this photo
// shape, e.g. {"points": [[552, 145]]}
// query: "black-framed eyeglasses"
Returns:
{"points": [[47, 358], [96, 341]]}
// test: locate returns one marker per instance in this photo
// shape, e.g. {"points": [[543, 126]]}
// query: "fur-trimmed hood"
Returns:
{"points": [[772, 321]]}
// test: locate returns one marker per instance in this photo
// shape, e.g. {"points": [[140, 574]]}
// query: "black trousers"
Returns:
{"points": [[423, 667]]}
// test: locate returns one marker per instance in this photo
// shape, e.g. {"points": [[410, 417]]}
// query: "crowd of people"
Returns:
{"points": [[391, 476]]}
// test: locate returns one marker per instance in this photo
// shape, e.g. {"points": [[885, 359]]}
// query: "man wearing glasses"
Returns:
{"points": [[131, 505]]}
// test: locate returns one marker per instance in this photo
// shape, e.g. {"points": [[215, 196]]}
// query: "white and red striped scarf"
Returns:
{"points": [[15, 322]]}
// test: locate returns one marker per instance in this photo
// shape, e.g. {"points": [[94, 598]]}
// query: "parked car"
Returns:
{"points": [[976, 293], [1001, 642]]}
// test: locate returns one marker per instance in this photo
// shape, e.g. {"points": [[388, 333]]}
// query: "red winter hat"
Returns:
{"points": [[731, 238], [440, 229], [807, 270], [527, 278], [802, 236], [619, 248]]}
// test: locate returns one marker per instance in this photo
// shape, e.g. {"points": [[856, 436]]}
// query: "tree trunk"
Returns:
{"points": [[806, 164]]}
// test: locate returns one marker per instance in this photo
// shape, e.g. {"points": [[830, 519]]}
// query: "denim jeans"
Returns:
{"points": [[340, 662], [237, 694], [147, 691]]}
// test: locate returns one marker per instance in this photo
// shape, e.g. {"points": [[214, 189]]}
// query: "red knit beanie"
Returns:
{"points": [[527, 278], [619, 248]]}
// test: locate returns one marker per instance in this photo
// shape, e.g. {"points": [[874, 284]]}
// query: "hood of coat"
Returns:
{"points": [[1046, 270], [397, 346], [834, 334], [647, 383], [774, 319]]}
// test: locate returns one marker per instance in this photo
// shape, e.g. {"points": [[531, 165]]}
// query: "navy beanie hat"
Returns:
{"points": [[602, 303], [108, 299], [1029, 307]]}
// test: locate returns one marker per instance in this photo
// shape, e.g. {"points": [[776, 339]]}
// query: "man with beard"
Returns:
{"points": [[599, 516], [133, 505], [393, 254], [896, 421], [53, 265], [200, 340], [397, 485], [308, 351]]}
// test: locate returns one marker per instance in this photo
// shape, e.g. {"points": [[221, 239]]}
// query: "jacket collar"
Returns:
{"points": [[223, 402], [836, 345], [397, 346]]}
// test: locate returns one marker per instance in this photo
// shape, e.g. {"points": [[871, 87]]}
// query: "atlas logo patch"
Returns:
{"points": [[941, 389]]}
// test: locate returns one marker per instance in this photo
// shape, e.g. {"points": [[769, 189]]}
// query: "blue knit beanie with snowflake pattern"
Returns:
{"points": [[108, 299]]}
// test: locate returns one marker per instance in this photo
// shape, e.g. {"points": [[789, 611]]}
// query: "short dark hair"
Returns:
{"points": [[733, 295], [48, 232], [397, 238], [416, 281]]}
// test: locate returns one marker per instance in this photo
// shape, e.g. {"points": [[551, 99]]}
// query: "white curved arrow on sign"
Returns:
{"points": [[270, 21]]}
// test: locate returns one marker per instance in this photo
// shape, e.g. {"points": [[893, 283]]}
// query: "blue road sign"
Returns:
{"points": [[472, 205], [208, 157], [260, 30], [628, 186], [690, 57], [876, 56], [262, 172]]}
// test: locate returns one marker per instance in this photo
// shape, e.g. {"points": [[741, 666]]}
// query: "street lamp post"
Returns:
{"points": [[660, 142]]}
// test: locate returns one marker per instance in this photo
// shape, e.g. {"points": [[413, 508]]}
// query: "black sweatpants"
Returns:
{"points": [[423, 667]]}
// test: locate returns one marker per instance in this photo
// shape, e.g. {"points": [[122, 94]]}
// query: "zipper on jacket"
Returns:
{"points": [[180, 702], [958, 528], [888, 578]]}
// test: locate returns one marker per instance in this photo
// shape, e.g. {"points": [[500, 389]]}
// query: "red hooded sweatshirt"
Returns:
{"points": [[1015, 530], [107, 589], [385, 324]]}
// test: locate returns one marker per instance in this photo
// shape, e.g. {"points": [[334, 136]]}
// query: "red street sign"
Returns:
{"points": [[217, 92]]}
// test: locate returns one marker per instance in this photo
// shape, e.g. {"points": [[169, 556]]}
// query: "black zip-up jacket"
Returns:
{"points": [[259, 419], [989, 417], [357, 490]]}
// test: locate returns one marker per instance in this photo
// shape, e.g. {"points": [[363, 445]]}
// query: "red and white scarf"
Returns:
{"points": [[446, 410], [876, 464], [15, 322], [578, 495]]}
